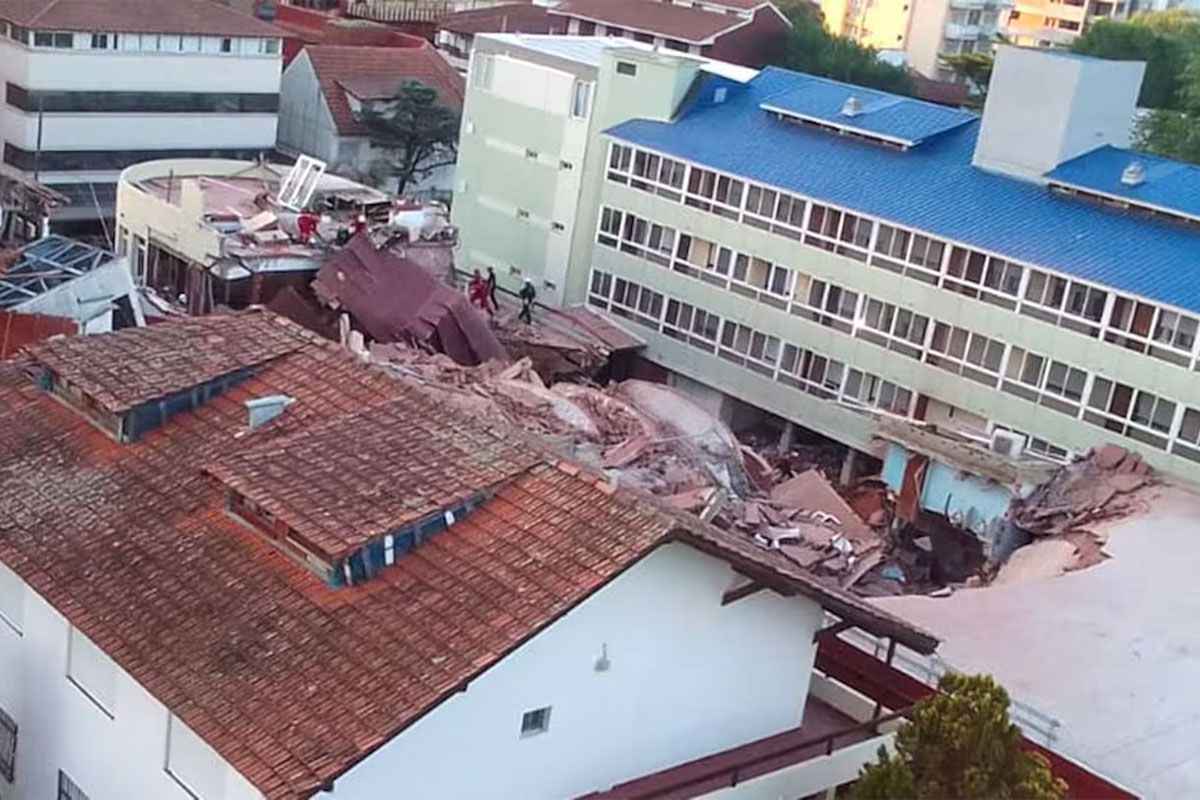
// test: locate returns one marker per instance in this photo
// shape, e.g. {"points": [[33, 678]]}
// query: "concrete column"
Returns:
{"points": [[787, 436], [849, 467]]}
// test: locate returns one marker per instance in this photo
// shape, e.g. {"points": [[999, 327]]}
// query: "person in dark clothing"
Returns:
{"points": [[491, 289], [528, 295]]}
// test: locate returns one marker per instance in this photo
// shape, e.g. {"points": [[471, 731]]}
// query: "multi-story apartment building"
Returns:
{"points": [[90, 88], [1047, 23], [919, 32], [837, 256]]}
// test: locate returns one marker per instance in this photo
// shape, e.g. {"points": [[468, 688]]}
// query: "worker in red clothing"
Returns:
{"points": [[307, 223], [477, 292]]}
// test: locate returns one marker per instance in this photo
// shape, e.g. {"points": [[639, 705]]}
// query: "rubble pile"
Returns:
{"points": [[1072, 506]]}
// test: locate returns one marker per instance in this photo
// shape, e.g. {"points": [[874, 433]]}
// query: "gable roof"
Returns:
{"points": [[692, 25], [1169, 185], [291, 681], [932, 188], [200, 17], [375, 71], [503, 18]]}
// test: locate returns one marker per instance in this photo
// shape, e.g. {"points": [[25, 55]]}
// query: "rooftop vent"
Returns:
{"points": [[852, 107], [264, 409], [1134, 174]]}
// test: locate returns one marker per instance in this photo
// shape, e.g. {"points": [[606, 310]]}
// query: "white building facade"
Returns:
{"points": [[80, 105]]}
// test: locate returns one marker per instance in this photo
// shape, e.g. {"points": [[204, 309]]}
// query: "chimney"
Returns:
{"points": [[264, 409], [1045, 107]]}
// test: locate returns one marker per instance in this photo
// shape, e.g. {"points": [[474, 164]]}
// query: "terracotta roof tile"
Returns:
{"points": [[291, 681], [203, 17], [693, 25], [504, 18], [342, 67], [19, 330], [150, 363]]}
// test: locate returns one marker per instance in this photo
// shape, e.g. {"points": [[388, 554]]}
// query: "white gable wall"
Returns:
{"points": [[81, 713], [305, 124], [687, 677]]}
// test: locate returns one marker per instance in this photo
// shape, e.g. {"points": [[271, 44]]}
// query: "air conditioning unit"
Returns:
{"points": [[1007, 443]]}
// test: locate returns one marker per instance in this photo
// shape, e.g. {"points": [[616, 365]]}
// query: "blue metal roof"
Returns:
{"points": [[901, 119], [932, 187], [1167, 184]]}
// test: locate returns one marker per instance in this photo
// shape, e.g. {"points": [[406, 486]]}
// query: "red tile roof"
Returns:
{"points": [[202, 17], [20, 330], [148, 364], [692, 25], [340, 67], [505, 18], [291, 681]]}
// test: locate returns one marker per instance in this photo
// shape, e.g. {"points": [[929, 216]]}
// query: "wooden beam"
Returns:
{"points": [[832, 630], [741, 592]]}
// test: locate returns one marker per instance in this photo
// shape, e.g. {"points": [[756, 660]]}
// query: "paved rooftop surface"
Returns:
{"points": [[1112, 651]]}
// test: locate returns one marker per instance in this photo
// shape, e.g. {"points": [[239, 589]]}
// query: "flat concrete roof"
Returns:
{"points": [[1112, 651]]}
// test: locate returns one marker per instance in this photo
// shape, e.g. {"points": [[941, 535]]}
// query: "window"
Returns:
{"points": [[1188, 444], [12, 599], [63, 41], [140, 102], [748, 347], [8, 746], [481, 72], [1081, 306], [811, 372], [875, 392], [988, 278], [269, 47], [535, 722], [100, 41], [68, 789], [1114, 406], [624, 67], [1176, 330], [581, 99], [893, 327], [619, 159], [226, 45], [610, 227], [724, 192], [969, 354], [601, 284], [831, 305], [91, 670], [192, 763]]}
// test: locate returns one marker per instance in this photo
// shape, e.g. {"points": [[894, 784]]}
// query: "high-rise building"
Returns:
{"points": [[1043, 23]]}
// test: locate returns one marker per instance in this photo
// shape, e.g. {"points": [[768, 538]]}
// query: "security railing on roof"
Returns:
{"points": [[1035, 724]]}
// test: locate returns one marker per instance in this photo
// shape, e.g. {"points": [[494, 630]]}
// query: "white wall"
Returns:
{"points": [[923, 41], [305, 125], [688, 677], [1080, 104], [59, 727]]}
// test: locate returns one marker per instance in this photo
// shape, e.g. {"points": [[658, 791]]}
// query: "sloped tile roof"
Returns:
{"points": [[503, 18], [692, 25], [150, 363], [200, 17], [342, 67], [291, 681]]}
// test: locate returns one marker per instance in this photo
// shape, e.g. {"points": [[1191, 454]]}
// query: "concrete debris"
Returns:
{"points": [[1102, 485], [1066, 515], [652, 438]]}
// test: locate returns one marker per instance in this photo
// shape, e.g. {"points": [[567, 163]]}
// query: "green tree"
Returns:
{"points": [[809, 47], [416, 132], [1165, 40], [1175, 133], [960, 744]]}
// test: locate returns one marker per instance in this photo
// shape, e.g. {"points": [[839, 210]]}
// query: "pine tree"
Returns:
{"points": [[960, 744]]}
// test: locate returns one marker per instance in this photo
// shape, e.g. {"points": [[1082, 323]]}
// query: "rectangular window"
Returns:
{"points": [[1131, 412], [1070, 304], [969, 354], [92, 671], [624, 67], [535, 722], [192, 763], [811, 372], [226, 45], [831, 305], [8, 746], [68, 789], [581, 99], [12, 599], [99, 41], [481, 71], [988, 278], [610, 227]]}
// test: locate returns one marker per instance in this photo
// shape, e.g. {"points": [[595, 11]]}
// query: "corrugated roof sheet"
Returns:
{"points": [[1166, 184], [933, 188], [901, 119]]}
